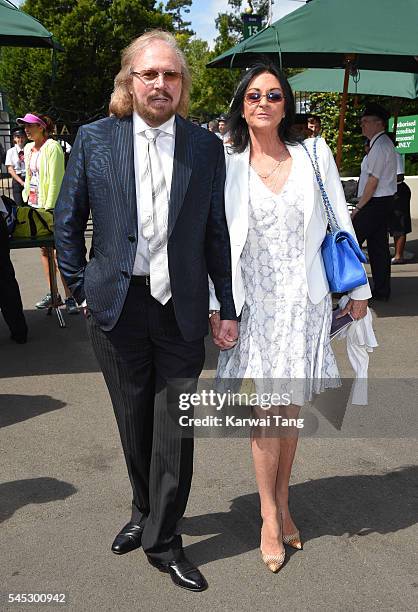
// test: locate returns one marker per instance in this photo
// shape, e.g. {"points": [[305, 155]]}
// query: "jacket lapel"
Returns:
{"points": [[182, 169], [236, 195], [123, 159], [308, 183]]}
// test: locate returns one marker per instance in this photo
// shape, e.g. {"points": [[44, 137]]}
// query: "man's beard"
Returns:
{"points": [[154, 115]]}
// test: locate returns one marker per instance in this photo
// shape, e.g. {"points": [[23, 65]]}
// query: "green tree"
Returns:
{"points": [[234, 16], [212, 89], [93, 34], [217, 86], [175, 8], [327, 106]]}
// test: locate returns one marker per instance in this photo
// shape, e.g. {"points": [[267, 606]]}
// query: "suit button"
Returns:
{"points": [[126, 274], [131, 238]]}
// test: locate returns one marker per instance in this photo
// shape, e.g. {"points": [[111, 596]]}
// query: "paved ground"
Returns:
{"points": [[64, 492]]}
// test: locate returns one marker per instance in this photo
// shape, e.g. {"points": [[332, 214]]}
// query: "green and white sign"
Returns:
{"points": [[252, 24], [406, 134]]}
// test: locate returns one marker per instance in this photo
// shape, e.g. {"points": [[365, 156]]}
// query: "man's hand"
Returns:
{"points": [[224, 332], [367, 194], [357, 309]]}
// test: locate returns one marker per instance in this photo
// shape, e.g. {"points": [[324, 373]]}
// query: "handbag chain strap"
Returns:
{"points": [[332, 221]]}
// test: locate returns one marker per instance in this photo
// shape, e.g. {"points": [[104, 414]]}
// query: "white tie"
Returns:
{"points": [[155, 220]]}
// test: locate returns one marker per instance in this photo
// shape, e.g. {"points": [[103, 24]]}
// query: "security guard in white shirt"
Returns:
{"points": [[377, 187], [15, 163]]}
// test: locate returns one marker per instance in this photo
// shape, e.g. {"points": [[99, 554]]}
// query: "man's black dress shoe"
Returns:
{"points": [[129, 538], [183, 574], [19, 338]]}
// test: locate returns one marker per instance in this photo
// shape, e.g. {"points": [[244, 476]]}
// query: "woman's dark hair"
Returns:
{"points": [[237, 126]]}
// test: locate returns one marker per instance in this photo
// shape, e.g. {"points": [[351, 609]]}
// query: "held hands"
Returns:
{"points": [[357, 309], [224, 332]]}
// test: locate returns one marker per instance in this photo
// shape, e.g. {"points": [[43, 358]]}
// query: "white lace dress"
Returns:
{"points": [[284, 338]]}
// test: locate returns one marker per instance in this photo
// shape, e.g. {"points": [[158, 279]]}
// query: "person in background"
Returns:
{"points": [[223, 128], [314, 126], [15, 163], [44, 160], [214, 127], [376, 189], [10, 300], [400, 220]]}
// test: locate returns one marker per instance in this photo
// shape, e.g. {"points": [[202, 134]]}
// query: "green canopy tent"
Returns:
{"points": [[370, 35], [18, 29], [366, 82]]}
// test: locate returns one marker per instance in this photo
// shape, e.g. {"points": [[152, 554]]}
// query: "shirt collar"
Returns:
{"points": [[140, 125], [375, 136]]}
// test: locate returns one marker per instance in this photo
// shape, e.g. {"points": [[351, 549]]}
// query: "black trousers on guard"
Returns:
{"points": [[10, 300], [371, 224], [138, 357], [17, 189]]}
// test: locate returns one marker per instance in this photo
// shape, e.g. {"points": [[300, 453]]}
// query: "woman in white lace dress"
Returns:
{"points": [[277, 225]]}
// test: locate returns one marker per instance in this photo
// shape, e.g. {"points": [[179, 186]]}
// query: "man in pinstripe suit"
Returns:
{"points": [[153, 183]]}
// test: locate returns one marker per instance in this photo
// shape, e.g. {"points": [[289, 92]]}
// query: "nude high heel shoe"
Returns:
{"points": [[293, 540], [273, 561]]}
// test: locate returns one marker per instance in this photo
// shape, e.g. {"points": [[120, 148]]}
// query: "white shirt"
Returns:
{"points": [[66, 147], [380, 163], [12, 159], [165, 145], [400, 163]]}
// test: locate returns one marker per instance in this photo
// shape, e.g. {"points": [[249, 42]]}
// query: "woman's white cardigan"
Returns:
{"points": [[315, 221]]}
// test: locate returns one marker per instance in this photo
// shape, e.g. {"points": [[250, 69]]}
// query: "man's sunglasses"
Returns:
{"points": [[254, 97], [150, 76]]}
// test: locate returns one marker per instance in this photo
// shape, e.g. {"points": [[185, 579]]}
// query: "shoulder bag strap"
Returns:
{"points": [[41, 220], [332, 221]]}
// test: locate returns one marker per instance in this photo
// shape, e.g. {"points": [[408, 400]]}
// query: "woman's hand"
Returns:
{"points": [[224, 333], [357, 309]]}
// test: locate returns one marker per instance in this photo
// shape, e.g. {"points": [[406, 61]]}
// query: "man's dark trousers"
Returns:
{"points": [[371, 224], [17, 189], [10, 300], [138, 356]]}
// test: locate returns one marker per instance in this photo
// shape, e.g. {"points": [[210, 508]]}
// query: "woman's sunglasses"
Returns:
{"points": [[254, 97]]}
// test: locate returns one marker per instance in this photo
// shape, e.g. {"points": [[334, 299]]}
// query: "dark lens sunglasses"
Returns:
{"points": [[252, 97]]}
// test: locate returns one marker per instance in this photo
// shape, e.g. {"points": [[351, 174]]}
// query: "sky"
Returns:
{"points": [[203, 14]]}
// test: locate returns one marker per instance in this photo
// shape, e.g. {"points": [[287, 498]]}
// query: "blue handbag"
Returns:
{"points": [[341, 254]]}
